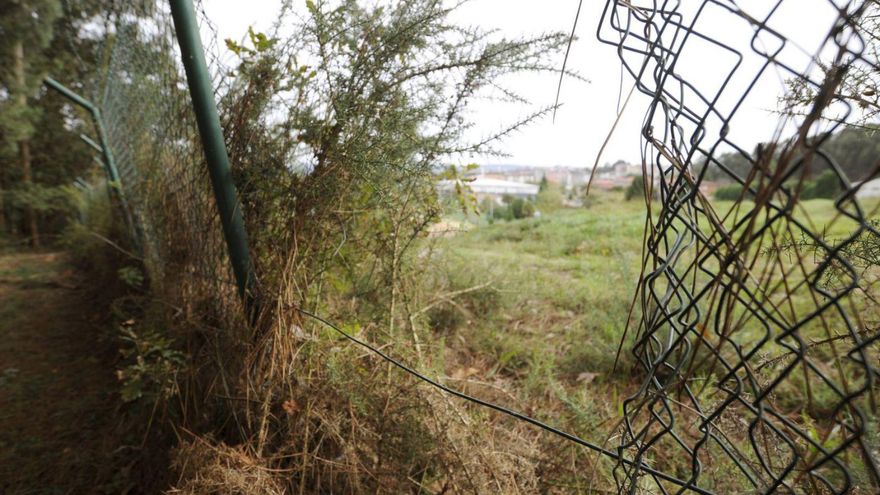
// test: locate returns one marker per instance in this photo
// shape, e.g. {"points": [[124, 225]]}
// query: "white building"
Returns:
{"points": [[484, 187]]}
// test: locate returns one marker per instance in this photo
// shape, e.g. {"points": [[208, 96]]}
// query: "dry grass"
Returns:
{"points": [[207, 468]]}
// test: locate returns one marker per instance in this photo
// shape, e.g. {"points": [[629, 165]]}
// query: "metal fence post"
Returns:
{"points": [[103, 147], [202, 94]]}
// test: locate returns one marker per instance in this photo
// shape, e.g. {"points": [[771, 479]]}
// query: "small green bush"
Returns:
{"points": [[731, 192], [636, 188], [514, 209], [502, 213], [826, 186], [94, 215], [150, 364], [521, 208], [549, 200]]}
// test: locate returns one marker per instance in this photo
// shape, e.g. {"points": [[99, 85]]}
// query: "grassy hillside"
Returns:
{"points": [[562, 283], [540, 308], [561, 286]]}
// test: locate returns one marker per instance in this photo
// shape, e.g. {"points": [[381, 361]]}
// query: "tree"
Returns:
{"points": [[859, 85], [521, 208], [53, 44], [27, 29], [544, 184], [375, 101], [636, 188], [549, 200], [853, 148], [826, 186]]}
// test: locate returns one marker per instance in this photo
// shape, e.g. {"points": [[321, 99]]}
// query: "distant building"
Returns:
{"points": [[496, 189], [518, 176], [609, 184], [618, 170], [869, 189], [708, 188], [569, 178]]}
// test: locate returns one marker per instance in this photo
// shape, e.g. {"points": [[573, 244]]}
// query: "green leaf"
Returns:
{"points": [[132, 390], [233, 46]]}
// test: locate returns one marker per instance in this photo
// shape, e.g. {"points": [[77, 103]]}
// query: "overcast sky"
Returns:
{"points": [[589, 110]]}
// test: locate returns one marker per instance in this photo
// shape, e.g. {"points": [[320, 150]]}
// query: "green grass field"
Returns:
{"points": [[563, 282], [546, 302]]}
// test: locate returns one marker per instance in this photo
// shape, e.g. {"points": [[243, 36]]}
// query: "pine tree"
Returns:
{"points": [[25, 31], [544, 184]]}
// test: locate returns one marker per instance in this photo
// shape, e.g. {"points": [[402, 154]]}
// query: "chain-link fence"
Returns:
{"points": [[150, 124], [758, 341]]}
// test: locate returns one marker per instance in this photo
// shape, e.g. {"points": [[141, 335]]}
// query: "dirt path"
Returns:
{"points": [[57, 384]]}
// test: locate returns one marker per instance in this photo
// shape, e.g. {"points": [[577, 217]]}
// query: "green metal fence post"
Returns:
{"points": [[103, 146], [202, 94], [92, 144]]}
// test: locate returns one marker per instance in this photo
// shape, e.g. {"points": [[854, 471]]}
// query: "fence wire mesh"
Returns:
{"points": [[741, 301], [151, 129]]}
